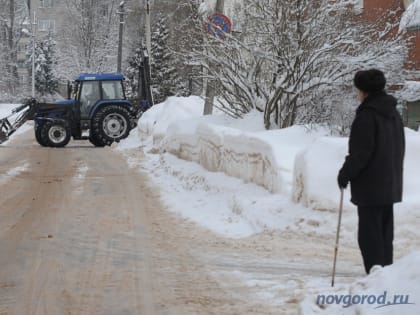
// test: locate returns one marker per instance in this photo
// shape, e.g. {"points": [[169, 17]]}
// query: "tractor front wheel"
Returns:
{"points": [[55, 134], [96, 142], [42, 141]]}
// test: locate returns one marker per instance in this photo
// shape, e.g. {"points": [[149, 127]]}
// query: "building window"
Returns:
{"points": [[46, 25], [46, 3]]}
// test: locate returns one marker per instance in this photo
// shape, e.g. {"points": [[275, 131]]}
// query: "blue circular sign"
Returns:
{"points": [[219, 25]]}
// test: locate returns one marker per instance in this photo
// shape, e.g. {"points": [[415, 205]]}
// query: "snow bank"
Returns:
{"points": [[384, 285], [227, 150], [317, 166], [156, 120], [412, 170], [265, 158], [315, 174], [302, 164], [411, 17], [240, 148]]}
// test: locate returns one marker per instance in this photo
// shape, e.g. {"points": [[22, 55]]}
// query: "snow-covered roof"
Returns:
{"points": [[411, 17], [411, 91]]}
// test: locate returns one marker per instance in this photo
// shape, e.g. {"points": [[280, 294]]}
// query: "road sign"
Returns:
{"points": [[219, 25]]}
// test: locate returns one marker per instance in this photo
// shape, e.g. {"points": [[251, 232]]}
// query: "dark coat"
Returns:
{"points": [[374, 165]]}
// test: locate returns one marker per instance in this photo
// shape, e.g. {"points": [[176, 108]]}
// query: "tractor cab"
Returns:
{"points": [[90, 90]]}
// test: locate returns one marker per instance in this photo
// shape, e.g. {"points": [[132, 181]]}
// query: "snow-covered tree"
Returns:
{"points": [[165, 80], [90, 37], [46, 82], [294, 57], [12, 16], [132, 73]]}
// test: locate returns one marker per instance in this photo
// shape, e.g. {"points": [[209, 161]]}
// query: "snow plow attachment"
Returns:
{"points": [[17, 117]]}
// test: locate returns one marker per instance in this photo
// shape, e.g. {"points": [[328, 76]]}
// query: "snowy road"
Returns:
{"points": [[82, 233]]}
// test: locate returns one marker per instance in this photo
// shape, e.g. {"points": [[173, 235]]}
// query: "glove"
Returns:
{"points": [[342, 181]]}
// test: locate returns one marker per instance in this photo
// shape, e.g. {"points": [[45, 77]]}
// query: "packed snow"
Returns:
{"points": [[237, 179], [14, 172], [392, 290]]}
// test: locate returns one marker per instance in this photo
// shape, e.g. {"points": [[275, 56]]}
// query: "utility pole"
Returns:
{"points": [[148, 30], [220, 6], [121, 13], [211, 89], [33, 33]]}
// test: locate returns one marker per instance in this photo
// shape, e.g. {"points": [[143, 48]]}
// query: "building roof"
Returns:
{"points": [[100, 76]]}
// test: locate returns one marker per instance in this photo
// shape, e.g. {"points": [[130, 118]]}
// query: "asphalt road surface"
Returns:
{"points": [[81, 233]]}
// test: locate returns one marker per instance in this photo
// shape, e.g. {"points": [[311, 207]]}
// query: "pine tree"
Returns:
{"points": [[132, 73], [46, 81], [165, 78]]}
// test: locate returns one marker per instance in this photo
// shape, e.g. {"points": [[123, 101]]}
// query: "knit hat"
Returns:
{"points": [[370, 81]]}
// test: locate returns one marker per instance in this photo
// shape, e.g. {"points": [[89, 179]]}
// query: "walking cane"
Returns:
{"points": [[337, 237]]}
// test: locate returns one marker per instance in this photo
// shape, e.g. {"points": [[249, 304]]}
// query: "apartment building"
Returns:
{"points": [[49, 16], [374, 10]]}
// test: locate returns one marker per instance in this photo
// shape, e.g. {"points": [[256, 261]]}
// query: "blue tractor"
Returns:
{"points": [[96, 110]]}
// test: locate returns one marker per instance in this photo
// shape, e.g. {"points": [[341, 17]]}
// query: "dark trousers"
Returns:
{"points": [[376, 234]]}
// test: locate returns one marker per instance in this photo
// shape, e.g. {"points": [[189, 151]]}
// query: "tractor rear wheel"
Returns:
{"points": [[56, 134], [111, 123]]}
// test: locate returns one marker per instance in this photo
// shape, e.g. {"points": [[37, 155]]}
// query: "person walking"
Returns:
{"points": [[374, 167]]}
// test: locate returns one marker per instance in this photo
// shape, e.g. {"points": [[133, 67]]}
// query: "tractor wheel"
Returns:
{"points": [[96, 142], [111, 123], [56, 134], [43, 142]]}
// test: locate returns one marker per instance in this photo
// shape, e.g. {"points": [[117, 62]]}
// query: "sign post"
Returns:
{"points": [[218, 25]]}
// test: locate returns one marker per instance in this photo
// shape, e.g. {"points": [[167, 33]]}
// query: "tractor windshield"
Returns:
{"points": [[112, 90]]}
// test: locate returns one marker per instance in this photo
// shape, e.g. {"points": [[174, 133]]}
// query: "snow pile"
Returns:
{"points": [[156, 120], [265, 158], [315, 174], [393, 290], [316, 169], [411, 17], [412, 170]]}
